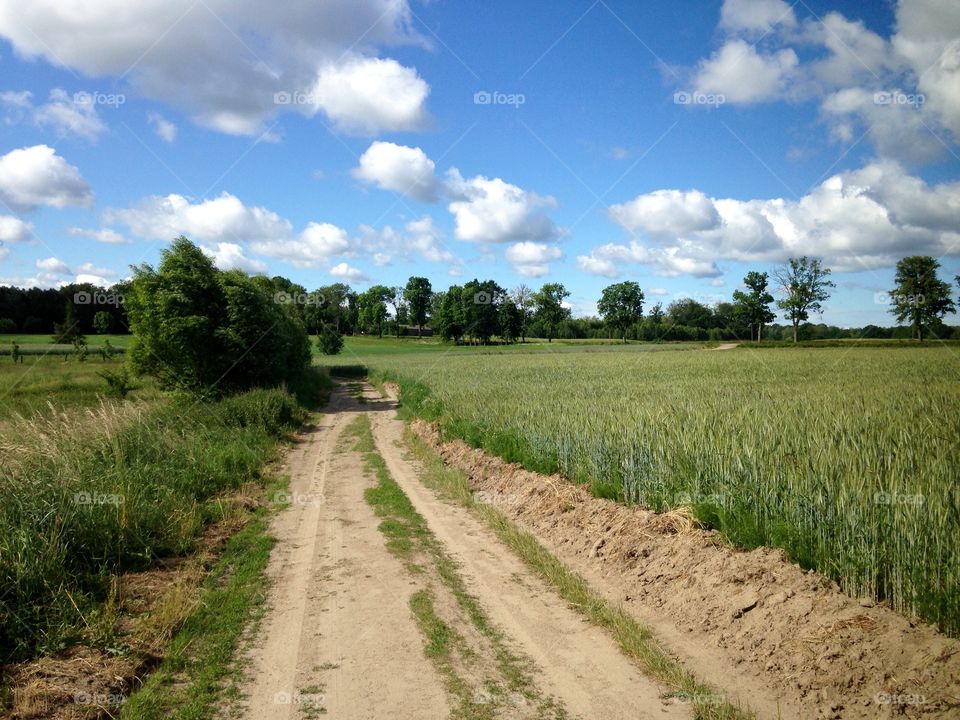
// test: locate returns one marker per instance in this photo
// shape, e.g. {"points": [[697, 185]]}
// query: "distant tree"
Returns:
{"points": [[753, 308], [522, 297], [64, 333], [7, 326], [372, 306], [921, 297], [481, 309], [329, 340], [448, 316], [656, 313], [511, 320], [399, 305], [805, 285], [418, 293], [621, 305], [550, 311], [102, 322], [690, 313]]}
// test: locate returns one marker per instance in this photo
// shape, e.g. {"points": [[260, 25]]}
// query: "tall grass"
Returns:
{"points": [[109, 489], [846, 458]]}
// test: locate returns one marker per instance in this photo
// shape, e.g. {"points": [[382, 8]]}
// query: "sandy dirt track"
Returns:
{"points": [[339, 634]]}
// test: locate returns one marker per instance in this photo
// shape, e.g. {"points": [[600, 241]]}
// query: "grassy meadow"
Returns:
{"points": [[846, 457], [94, 486]]}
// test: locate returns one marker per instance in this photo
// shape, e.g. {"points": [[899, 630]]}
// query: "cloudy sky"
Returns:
{"points": [[678, 143]]}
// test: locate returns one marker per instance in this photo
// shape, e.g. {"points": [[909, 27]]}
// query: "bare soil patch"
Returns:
{"points": [[780, 639]]}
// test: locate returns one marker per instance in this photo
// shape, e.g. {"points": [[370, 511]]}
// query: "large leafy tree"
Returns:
{"points": [[481, 309], [448, 314], [753, 307], [550, 311], [690, 313], [372, 306], [206, 331], [921, 297], [805, 284], [418, 293], [621, 305]]}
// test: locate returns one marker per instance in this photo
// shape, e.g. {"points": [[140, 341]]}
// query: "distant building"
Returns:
{"points": [[411, 331]]}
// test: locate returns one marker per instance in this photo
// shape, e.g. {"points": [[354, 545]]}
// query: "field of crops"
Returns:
{"points": [[848, 458]]}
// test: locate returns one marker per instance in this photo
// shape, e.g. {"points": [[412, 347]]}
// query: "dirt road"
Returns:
{"points": [[339, 637]]}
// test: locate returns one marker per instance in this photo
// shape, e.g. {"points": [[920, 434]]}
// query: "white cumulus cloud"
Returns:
{"points": [[35, 176]]}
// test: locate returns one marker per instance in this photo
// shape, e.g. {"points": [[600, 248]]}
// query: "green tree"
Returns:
{"points": [[921, 297], [396, 300], [522, 297], [511, 321], [481, 309], [66, 332], [102, 322], [621, 305], [418, 293], [372, 306], [690, 313], [209, 332], [656, 314], [449, 320], [753, 308], [329, 341], [550, 311], [805, 284]]}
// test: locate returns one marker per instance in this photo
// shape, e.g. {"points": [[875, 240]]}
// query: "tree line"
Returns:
{"points": [[480, 311]]}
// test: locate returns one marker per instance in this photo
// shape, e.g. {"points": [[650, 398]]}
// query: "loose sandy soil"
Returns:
{"points": [[784, 641], [339, 637]]}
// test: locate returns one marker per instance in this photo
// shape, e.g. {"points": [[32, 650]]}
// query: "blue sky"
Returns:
{"points": [[677, 144]]}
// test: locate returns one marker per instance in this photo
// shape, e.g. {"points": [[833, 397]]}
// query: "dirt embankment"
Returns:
{"points": [[784, 640]]}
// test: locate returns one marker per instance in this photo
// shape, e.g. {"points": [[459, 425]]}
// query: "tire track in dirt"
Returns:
{"points": [[337, 637], [577, 663]]}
